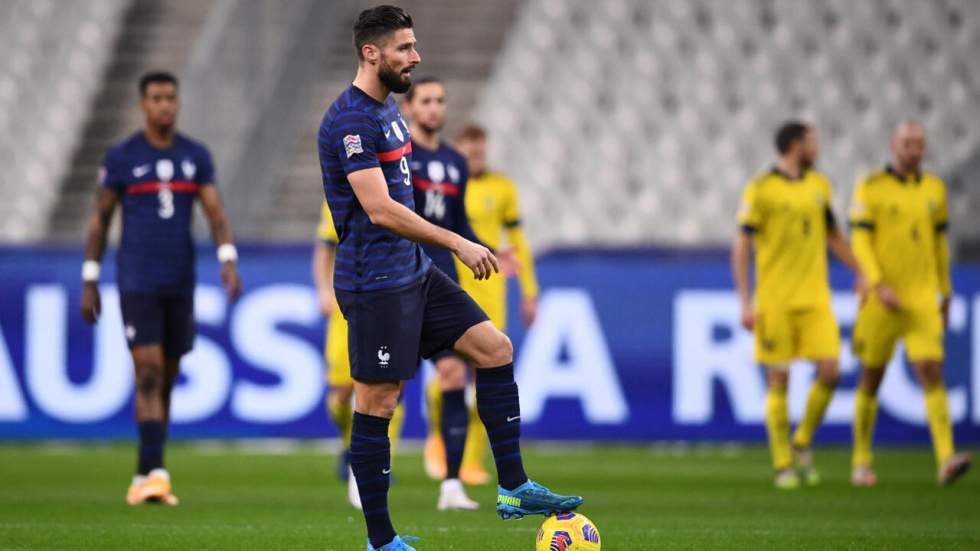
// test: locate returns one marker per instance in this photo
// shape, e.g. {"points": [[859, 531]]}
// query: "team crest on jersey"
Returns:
{"points": [[165, 170], [398, 131], [188, 167], [352, 145], [437, 172], [453, 173]]}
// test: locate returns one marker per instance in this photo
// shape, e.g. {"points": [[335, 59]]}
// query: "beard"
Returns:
{"points": [[430, 128], [395, 81], [806, 164]]}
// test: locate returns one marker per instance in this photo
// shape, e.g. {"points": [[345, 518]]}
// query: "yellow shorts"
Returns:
{"points": [[877, 329], [338, 360], [782, 336], [490, 294]]}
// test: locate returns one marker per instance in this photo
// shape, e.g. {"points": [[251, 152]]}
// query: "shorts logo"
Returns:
{"points": [[383, 356], [352, 145], [130, 332]]}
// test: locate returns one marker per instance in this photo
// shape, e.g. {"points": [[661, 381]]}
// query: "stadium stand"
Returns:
{"points": [[54, 57], [656, 113]]}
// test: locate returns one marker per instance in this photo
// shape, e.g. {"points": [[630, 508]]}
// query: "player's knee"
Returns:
{"points": [[871, 380], [499, 351], [452, 374], [930, 373], [149, 378], [829, 374], [341, 394]]}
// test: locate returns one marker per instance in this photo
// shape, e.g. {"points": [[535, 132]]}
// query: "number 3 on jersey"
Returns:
{"points": [[166, 198]]}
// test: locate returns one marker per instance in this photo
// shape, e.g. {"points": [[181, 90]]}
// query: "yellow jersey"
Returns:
{"points": [[494, 213], [326, 231], [898, 234], [789, 220]]}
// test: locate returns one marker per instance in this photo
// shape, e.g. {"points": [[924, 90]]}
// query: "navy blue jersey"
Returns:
{"points": [[157, 188], [439, 178], [356, 133]]}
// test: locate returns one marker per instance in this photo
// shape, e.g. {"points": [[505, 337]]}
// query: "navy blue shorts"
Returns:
{"points": [[167, 320], [391, 330]]}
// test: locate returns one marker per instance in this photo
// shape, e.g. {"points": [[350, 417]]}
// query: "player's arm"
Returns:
{"points": [[98, 228], [741, 251], [941, 223], [750, 218], [221, 232], [371, 189], [324, 256], [862, 244], [837, 242], [525, 258]]}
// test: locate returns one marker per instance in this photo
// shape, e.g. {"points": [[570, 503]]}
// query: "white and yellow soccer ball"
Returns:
{"points": [[568, 532]]}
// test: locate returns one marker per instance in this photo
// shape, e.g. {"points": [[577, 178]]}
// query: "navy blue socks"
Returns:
{"points": [[455, 419], [500, 410], [370, 459], [152, 436]]}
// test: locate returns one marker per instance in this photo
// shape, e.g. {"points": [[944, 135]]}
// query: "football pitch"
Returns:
{"points": [[239, 496]]}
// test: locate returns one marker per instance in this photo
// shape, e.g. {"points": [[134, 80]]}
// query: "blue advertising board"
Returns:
{"points": [[628, 345]]}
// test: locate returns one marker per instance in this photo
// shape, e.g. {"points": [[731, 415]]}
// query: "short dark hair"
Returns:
{"points": [[375, 23], [471, 131], [156, 77], [428, 79], [788, 134]]}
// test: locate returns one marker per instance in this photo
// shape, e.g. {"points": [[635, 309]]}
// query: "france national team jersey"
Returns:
{"points": [[157, 188], [439, 178], [356, 133]]}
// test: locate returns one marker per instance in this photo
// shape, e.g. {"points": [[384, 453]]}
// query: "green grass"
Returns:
{"points": [[641, 498]]}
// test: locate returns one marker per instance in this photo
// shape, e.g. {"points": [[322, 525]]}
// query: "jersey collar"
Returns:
{"points": [[776, 171], [901, 179]]}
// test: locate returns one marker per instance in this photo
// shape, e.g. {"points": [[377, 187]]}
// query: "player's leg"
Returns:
{"points": [[924, 343], [452, 318], [340, 385], [370, 453], [873, 341], [152, 479], [434, 452], [777, 426], [473, 470], [454, 420], [819, 340], [774, 350]]}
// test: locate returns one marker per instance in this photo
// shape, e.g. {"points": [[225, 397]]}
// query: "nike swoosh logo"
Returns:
{"points": [[511, 419], [141, 170], [386, 471]]}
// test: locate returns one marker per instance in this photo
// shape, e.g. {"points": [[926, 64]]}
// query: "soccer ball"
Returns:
{"points": [[568, 532]]}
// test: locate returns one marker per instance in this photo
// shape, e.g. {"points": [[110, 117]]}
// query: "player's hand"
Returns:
{"points": [[477, 258], [861, 288], [748, 316], [529, 310], [91, 302], [327, 302], [887, 297], [944, 310], [509, 264], [231, 281]]}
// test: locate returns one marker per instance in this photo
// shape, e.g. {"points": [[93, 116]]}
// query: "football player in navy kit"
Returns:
{"points": [[155, 175]]}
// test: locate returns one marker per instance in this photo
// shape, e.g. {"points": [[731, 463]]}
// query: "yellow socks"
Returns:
{"points": [[777, 425], [940, 426], [342, 415], [816, 405], [433, 404], [395, 426], [865, 412]]}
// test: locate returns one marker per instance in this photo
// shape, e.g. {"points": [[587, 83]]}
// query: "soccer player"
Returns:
{"points": [[340, 393], [898, 219], [156, 174], [439, 179], [786, 213], [493, 209], [397, 305]]}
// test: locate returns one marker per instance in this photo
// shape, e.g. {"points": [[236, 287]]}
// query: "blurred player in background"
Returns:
{"points": [[398, 306], [439, 177], [786, 213], [494, 212], [340, 385], [156, 174], [898, 219]]}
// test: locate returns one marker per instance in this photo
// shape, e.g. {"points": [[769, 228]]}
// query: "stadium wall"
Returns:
{"points": [[629, 345]]}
